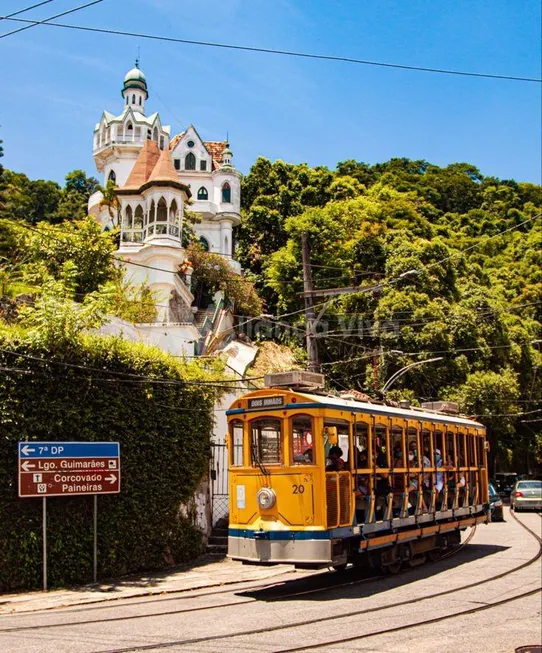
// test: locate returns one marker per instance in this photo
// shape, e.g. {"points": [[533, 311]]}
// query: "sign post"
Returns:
{"points": [[61, 469]]}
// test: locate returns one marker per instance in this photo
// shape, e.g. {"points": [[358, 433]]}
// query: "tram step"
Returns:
{"points": [[220, 532], [218, 540], [217, 549]]}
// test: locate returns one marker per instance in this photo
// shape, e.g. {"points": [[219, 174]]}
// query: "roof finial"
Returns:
{"points": [[137, 58]]}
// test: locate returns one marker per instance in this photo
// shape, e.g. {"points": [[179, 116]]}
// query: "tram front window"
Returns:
{"points": [[302, 440], [266, 441]]}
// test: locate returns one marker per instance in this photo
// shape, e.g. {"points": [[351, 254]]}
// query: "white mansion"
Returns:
{"points": [[156, 176]]}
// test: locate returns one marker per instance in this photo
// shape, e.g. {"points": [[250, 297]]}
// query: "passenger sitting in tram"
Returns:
{"points": [[335, 460]]}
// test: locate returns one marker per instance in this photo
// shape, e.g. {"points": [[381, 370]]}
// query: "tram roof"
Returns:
{"points": [[354, 405]]}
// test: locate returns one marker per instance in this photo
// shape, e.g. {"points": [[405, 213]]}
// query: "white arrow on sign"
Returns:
{"points": [[26, 450], [27, 465], [111, 478]]}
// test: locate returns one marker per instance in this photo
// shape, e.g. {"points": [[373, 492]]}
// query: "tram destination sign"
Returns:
{"points": [[57, 469], [266, 402]]}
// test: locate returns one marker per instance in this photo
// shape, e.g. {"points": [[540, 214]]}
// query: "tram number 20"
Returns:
{"points": [[298, 489]]}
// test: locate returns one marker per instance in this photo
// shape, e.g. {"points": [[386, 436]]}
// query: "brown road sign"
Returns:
{"points": [[52, 469]]}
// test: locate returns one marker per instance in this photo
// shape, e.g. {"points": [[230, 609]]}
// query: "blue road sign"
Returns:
{"points": [[28, 450]]}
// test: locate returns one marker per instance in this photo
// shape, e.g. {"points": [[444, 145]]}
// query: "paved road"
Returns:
{"points": [[163, 623]]}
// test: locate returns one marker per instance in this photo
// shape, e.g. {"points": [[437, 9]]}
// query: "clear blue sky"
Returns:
{"points": [[56, 82]]}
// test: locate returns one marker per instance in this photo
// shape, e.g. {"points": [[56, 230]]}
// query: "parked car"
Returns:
{"points": [[495, 504], [504, 483], [526, 495]]}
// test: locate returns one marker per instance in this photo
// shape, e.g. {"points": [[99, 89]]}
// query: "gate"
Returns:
{"points": [[219, 481]]}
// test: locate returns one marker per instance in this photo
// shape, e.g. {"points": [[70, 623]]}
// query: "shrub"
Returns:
{"points": [[164, 431]]}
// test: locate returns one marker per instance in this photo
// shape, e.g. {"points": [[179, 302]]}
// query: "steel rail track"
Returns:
{"points": [[386, 631], [354, 613], [260, 586]]}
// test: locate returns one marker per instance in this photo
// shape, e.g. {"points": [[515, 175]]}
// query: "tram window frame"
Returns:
{"points": [[439, 443], [381, 433], [301, 458], [366, 435], [451, 455], [412, 432], [234, 445], [471, 449], [256, 444], [462, 460], [426, 437], [397, 435], [340, 424], [481, 450]]}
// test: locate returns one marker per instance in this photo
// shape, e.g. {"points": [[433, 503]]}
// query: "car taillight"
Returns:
{"points": [[518, 494]]}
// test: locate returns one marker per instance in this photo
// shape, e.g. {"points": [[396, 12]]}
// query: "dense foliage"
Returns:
{"points": [[88, 392], [435, 278]]}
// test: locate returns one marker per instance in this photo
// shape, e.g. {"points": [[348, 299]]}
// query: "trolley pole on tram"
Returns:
{"points": [[310, 318]]}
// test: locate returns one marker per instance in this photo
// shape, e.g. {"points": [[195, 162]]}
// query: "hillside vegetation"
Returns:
{"points": [[447, 262]]}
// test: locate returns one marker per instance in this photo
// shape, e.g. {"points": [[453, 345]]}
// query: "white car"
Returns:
{"points": [[526, 495]]}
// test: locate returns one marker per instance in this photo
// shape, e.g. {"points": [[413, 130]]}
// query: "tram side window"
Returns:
{"points": [[450, 449], [471, 446], [266, 441], [302, 441], [413, 454], [381, 452], [361, 445], [397, 446], [236, 449], [481, 441], [461, 450], [342, 430], [428, 457]]}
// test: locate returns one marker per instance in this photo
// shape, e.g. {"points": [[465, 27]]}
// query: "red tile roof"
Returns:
{"points": [[164, 169], [144, 165], [215, 149]]}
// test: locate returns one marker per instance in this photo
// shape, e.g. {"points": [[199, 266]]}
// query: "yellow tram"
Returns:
{"points": [[317, 480]]}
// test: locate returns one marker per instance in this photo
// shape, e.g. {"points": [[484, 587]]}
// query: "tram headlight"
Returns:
{"points": [[266, 498]]}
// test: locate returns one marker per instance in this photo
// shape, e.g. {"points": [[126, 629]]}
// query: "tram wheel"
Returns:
{"points": [[393, 569], [434, 555]]}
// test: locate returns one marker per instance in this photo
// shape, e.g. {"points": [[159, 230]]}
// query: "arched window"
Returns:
{"points": [[112, 177], [138, 217], [226, 193], [133, 98], [203, 194], [190, 162], [127, 222], [140, 100], [161, 213], [173, 211], [204, 243], [155, 135]]}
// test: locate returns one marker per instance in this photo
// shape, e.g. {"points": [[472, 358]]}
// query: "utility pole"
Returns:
{"points": [[310, 319]]}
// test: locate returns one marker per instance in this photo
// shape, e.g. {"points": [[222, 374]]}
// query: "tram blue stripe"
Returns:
{"points": [[280, 535], [335, 533]]}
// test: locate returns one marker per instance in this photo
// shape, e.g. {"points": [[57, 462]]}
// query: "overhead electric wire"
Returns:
{"points": [[22, 11], [135, 377], [287, 53], [35, 23]]}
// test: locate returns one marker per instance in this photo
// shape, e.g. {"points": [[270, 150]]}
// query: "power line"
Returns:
{"points": [[22, 11], [136, 377], [35, 23], [288, 53]]}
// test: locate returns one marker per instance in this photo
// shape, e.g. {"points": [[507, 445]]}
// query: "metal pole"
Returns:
{"points": [[44, 540], [310, 321], [95, 572]]}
